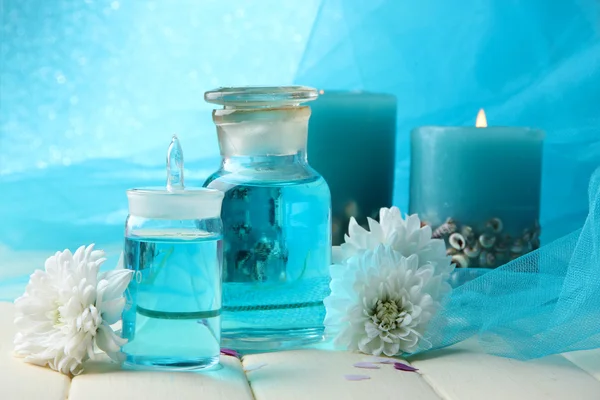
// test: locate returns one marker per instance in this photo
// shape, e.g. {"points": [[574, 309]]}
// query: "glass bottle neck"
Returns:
{"points": [[233, 163], [251, 135]]}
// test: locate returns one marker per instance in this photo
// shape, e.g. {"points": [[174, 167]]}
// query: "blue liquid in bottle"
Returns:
{"points": [[276, 258], [276, 215], [172, 314]]}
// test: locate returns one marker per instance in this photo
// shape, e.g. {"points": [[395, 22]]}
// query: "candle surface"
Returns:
{"points": [[485, 179], [351, 142]]}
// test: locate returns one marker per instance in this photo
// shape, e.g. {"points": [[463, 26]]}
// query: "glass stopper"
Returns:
{"points": [[175, 166]]}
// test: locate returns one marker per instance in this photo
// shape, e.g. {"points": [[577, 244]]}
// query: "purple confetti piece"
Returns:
{"points": [[403, 367], [356, 377], [254, 367], [230, 352], [366, 365]]}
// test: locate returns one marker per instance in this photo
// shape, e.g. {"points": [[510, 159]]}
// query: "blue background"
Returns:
{"points": [[91, 91]]}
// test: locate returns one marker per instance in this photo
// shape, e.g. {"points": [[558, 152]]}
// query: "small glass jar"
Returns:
{"points": [[173, 245], [276, 219]]}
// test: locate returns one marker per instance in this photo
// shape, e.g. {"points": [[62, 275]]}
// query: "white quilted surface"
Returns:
{"points": [[458, 373]]}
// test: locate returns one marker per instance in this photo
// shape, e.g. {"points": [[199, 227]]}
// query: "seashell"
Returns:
{"points": [[501, 247], [242, 230], [472, 251], [447, 228], [457, 241], [487, 259], [517, 247], [491, 259], [483, 259], [450, 251], [526, 235], [487, 241], [240, 193], [506, 240], [495, 225], [468, 234], [460, 260]]}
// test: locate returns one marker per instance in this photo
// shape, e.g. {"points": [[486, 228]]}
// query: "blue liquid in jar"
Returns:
{"points": [[173, 302], [277, 252]]}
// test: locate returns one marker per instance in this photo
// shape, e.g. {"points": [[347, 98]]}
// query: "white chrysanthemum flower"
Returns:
{"points": [[68, 307], [406, 236], [382, 302]]}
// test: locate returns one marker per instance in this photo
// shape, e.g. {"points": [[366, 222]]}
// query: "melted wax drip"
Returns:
{"points": [[175, 166]]}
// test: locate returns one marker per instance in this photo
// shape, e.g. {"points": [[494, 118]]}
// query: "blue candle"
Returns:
{"points": [[479, 189], [351, 142]]}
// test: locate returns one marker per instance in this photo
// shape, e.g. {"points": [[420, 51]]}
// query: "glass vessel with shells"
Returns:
{"points": [[479, 188], [487, 245]]}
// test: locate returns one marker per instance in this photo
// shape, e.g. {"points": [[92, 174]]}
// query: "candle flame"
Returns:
{"points": [[481, 121]]}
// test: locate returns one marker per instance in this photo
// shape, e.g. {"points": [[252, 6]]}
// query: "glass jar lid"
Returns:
{"points": [[160, 203], [260, 96], [175, 201]]}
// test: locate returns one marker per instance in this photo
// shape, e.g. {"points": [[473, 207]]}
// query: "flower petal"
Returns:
{"points": [[230, 352], [354, 229], [108, 341], [376, 232], [403, 367], [366, 365], [116, 283], [353, 377], [391, 349], [121, 262], [112, 310], [337, 255], [380, 360]]}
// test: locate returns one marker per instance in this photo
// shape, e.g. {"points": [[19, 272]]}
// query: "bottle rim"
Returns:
{"points": [[260, 96]]}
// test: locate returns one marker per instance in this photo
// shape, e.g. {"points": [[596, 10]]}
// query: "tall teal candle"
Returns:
{"points": [[351, 142], [479, 189]]}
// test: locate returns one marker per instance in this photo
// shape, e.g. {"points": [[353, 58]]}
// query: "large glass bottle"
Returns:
{"points": [[276, 219]]}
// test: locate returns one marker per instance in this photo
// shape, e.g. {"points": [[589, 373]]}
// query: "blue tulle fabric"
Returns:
{"points": [[545, 302], [92, 92]]}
